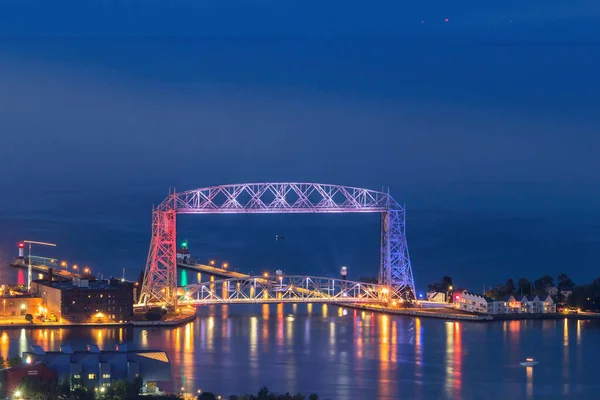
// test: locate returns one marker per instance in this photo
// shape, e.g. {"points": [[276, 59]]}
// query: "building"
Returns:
{"points": [[522, 305], [471, 302], [437, 297], [82, 300], [16, 307], [97, 369], [11, 378], [552, 290]]}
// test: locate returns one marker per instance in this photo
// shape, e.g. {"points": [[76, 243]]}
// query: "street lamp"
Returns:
{"points": [[225, 265], [86, 270], [212, 262]]}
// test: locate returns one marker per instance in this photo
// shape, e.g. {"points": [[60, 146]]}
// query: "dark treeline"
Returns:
{"points": [[540, 287], [263, 394]]}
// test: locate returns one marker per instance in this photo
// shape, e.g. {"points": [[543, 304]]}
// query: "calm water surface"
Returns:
{"points": [[349, 354]]}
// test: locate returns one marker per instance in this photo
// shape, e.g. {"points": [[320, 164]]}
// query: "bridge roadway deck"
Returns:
{"points": [[43, 269]]}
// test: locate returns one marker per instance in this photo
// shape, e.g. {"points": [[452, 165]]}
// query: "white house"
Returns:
{"points": [[437, 297], [522, 305], [471, 302], [547, 305]]}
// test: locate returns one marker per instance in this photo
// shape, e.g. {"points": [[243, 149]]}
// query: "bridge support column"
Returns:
{"points": [[160, 279]]}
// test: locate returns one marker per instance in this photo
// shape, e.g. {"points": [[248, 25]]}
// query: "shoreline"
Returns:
{"points": [[421, 313], [134, 324]]}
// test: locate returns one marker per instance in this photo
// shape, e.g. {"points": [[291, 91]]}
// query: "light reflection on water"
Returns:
{"points": [[347, 354]]}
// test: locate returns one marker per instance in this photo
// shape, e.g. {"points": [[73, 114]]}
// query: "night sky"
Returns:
{"points": [[486, 125]]}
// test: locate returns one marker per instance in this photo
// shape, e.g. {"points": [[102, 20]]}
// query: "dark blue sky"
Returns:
{"points": [[494, 110]]}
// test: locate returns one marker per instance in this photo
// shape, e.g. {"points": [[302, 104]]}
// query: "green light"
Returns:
{"points": [[184, 244], [183, 281]]}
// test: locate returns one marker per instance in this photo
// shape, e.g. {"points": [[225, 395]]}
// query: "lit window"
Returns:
{"points": [[76, 376], [92, 376], [105, 376]]}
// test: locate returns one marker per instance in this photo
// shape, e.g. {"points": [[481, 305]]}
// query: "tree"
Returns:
{"points": [[369, 279], [153, 315], [442, 286], [313, 397], [542, 284], [523, 286], [16, 360], [2, 363], [509, 287], [207, 396], [564, 282], [29, 317]]}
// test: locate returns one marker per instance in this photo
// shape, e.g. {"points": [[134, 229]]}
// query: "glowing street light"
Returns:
{"points": [[75, 267], [266, 274], [225, 265], [212, 262], [63, 264], [86, 270]]}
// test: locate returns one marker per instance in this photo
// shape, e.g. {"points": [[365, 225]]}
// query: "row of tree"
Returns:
{"points": [[263, 394], [11, 362], [523, 286], [35, 388]]}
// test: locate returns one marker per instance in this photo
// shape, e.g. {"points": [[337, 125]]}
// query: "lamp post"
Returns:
{"points": [[449, 293], [29, 265]]}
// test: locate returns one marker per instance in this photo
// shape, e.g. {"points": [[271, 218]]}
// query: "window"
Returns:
{"points": [[92, 376], [105, 376], [76, 376]]}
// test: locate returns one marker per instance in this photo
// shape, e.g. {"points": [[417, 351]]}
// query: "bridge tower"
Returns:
{"points": [[160, 280]]}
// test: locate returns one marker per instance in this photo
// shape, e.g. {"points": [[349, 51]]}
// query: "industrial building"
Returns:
{"points": [[95, 368], [82, 300]]}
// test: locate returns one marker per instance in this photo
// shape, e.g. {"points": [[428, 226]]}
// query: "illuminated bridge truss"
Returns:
{"points": [[160, 282], [284, 289]]}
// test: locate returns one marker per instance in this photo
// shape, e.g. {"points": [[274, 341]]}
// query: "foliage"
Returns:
{"points": [[442, 286], [123, 390], [369, 279], [524, 286], [542, 284], [2, 363], [16, 360], [154, 315], [263, 394], [564, 282], [29, 317]]}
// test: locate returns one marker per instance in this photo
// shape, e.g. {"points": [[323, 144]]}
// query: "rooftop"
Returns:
{"points": [[84, 284]]}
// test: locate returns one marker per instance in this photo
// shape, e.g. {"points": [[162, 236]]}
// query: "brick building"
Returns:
{"points": [[83, 300]]}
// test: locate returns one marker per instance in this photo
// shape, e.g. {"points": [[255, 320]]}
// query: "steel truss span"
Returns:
{"points": [[160, 281], [284, 289]]}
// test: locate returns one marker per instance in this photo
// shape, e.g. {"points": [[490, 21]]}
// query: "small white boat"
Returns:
{"points": [[529, 362]]}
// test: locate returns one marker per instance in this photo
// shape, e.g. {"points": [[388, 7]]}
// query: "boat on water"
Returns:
{"points": [[529, 362]]}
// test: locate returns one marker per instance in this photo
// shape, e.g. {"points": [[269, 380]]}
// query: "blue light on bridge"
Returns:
{"points": [[420, 295]]}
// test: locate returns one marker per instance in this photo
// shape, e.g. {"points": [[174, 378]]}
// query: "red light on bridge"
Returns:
{"points": [[21, 245]]}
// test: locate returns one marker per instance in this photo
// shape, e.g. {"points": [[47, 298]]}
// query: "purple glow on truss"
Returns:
{"points": [[160, 282]]}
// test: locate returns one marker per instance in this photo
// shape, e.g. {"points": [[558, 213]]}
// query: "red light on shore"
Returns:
{"points": [[457, 297], [21, 245]]}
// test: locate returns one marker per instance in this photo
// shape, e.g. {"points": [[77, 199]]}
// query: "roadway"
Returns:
{"points": [[43, 269]]}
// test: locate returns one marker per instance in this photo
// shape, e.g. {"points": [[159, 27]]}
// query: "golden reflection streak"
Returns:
{"points": [[210, 334], [340, 311], [253, 343], [188, 350], [394, 343], [4, 345], [309, 307], [120, 335], [324, 310], [385, 383], [566, 357], [453, 383], [265, 311], [289, 332], [529, 382]]}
